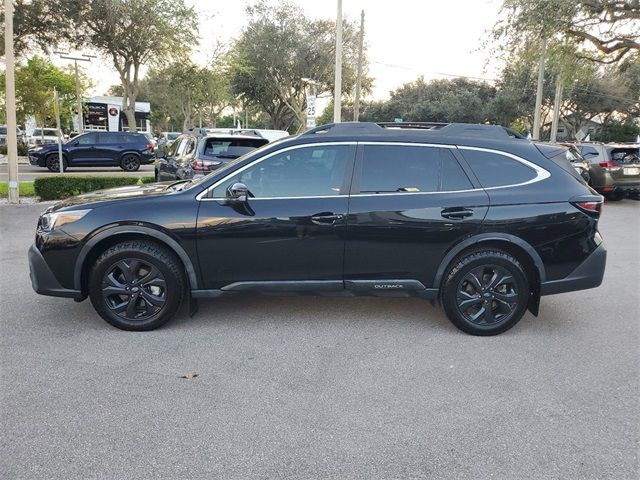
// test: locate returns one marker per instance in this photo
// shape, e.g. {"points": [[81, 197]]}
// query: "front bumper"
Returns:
{"points": [[588, 274], [43, 280]]}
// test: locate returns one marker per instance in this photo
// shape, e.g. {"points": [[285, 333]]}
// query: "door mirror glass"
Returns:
{"points": [[238, 192]]}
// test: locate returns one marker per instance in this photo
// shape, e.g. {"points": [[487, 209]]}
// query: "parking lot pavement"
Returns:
{"points": [[305, 387], [30, 172]]}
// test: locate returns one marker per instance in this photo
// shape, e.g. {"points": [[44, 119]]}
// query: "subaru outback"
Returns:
{"points": [[468, 215]]}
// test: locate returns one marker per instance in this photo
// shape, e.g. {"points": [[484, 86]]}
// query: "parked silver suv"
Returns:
{"points": [[614, 168]]}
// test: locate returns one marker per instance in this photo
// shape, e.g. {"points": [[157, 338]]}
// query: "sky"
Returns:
{"points": [[405, 38]]}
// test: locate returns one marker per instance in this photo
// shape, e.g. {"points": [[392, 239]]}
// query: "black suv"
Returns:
{"points": [[195, 154], [127, 150], [469, 215]]}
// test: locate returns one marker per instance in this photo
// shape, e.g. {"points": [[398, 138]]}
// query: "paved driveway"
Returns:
{"points": [[306, 388]]}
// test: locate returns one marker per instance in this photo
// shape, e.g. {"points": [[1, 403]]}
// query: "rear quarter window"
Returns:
{"points": [[497, 170]]}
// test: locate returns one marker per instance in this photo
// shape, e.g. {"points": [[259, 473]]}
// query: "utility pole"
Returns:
{"points": [[337, 93], [12, 138], [537, 113], [557, 101], [82, 58], [56, 111], [356, 103]]}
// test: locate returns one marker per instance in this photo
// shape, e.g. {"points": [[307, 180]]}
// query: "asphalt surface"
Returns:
{"points": [[321, 388], [27, 173]]}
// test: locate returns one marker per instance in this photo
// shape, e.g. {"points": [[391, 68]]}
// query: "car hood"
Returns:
{"points": [[102, 197]]}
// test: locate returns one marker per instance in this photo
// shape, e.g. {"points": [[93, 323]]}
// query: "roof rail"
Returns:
{"points": [[497, 132]]}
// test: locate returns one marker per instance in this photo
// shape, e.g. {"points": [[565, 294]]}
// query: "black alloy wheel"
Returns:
{"points": [[485, 292], [53, 163], [137, 285], [134, 289], [130, 163]]}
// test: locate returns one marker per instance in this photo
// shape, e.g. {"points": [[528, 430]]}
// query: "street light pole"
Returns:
{"points": [[356, 102], [337, 93], [538, 113], [83, 58], [12, 138]]}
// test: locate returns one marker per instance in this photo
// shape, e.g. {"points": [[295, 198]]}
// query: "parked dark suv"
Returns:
{"points": [[127, 150], [466, 214], [195, 154]]}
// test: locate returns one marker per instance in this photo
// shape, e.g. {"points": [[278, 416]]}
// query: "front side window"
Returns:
{"points": [[410, 169], [299, 172], [88, 139], [496, 170]]}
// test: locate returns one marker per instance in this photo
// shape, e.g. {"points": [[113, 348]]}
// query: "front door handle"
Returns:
{"points": [[456, 213], [326, 218]]}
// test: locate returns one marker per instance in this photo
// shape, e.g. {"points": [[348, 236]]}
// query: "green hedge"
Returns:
{"points": [[56, 188], [147, 180], [23, 150]]}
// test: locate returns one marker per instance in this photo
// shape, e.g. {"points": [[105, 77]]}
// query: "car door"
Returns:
{"points": [[82, 150], [289, 234], [409, 204], [110, 146]]}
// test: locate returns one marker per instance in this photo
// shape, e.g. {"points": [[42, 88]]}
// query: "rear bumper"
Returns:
{"points": [[43, 280], [588, 274]]}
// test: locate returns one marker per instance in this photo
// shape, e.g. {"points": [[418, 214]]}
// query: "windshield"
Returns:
{"points": [[625, 155], [3, 130], [172, 135]]}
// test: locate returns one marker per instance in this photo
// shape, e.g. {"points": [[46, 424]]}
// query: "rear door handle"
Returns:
{"points": [[456, 213], [326, 218]]}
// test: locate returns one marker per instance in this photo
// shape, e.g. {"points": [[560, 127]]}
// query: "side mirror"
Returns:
{"points": [[161, 154], [238, 192]]}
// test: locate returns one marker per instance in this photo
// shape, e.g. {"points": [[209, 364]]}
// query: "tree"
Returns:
{"points": [[605, 30], [134, 33], [457, 100], [277, 49], [183, 92], [35, 82]]}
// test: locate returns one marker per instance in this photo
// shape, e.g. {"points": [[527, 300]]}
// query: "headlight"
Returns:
{"points": [[49, 221]]}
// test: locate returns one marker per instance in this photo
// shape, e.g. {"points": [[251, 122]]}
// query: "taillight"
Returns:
{"points": [[198, 166], [609, 165], [591, 204], [149, 146]]}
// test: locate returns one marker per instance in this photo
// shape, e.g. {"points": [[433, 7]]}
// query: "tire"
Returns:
{"points": [[52, 162], [130, 163], [485, 292], [118, 290]]}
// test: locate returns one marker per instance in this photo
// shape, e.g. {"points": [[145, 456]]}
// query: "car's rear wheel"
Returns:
{"points": [[136, 285], [485, 292], [53, 163], [130, 163]]}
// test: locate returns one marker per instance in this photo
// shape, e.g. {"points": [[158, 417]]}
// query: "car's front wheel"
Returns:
{"points": [[485, 292], [130, 163], [136, 285], [53, 163]]}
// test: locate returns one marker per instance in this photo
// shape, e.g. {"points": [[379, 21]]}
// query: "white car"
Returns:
{"points": [[42, 136]]}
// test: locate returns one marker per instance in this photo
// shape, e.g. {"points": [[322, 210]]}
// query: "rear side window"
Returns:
{"points": [[409, 169], [589, 153], [495, 170]]}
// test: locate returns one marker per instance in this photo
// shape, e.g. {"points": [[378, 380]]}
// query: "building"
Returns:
{"points": [[105, 113]]}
